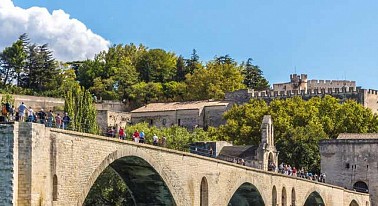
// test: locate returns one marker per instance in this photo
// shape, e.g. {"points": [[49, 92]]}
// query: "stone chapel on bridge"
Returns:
{"points": [[259, 157]]}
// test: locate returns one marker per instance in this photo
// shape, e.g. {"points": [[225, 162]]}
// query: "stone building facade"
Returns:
{"points": [[187, 114], [351, 161], [110, 118], [306, 89]]}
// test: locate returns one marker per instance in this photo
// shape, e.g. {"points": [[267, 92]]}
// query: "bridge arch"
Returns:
{"points": [[283, 197], [204, 192], [274, 196], [246, 194], [121, 161], [354, 203], [293, 197], [314, 198]]}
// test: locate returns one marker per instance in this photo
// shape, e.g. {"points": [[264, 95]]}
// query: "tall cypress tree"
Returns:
{"points": [[81, 109]]}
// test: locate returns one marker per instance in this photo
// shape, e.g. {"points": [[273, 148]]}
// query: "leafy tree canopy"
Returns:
{"points": [[298, 125]]}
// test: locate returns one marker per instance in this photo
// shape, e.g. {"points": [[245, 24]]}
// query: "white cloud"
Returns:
{"points": [[68, 38]]}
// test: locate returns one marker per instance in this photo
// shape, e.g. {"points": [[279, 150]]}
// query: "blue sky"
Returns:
{"points": [[325, 39]]}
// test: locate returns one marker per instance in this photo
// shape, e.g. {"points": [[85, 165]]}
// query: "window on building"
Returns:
{"points": [[164, 122], [179, 122], [347, 165], [151, 122]]}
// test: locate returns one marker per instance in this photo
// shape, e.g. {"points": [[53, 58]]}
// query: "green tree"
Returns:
{"points": [[174, 91], [12, 62], [220, 76], [157, 65], [41, 67], [111, 74], [109, 189], [243, 123], [81, 109], [143, 93], [180, 69], [253, 77], [193, 63], [298, 125]]}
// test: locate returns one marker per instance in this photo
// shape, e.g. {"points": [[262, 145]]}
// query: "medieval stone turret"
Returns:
{"points": [[267, 151]]}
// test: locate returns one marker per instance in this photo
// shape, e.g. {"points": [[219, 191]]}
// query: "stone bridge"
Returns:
{"points": [[43, 166]]}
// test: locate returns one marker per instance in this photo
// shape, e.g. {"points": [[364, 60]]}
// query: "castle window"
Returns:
{"points": [[347, 165], [164, 122]]}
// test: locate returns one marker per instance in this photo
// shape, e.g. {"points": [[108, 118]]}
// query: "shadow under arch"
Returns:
{"points": [[361, 186], [145, 183], [274, 196], [204, 192], [353, 203], [314, 199], [246, 195]]}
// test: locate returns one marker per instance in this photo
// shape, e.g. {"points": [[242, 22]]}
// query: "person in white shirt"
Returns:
{"points": [[155, 139], [30, 115], [21, 112]]}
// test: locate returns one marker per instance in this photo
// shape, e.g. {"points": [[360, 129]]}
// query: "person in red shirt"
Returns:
{"points": [[121, 133], [136, 136]]}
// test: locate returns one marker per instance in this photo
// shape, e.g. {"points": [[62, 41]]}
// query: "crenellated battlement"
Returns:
{"points": [[300, 86], [372, 91], [308, 92], [330, 84]]}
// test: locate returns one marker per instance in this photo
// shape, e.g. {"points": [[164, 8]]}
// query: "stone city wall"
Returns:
{"points": [[37, 102], [329, 84], [367, 97]]}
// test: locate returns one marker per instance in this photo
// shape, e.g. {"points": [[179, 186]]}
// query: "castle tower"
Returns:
{"points": [[267, 152], [298, 82]]}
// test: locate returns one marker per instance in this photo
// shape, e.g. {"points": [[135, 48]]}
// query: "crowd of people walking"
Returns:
{"points": [[27, 114], [137, 136], [292, 171]]}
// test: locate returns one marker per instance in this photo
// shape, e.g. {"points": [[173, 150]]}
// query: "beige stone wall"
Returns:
{"points": [[371, 100], [80, 159], [189, 118], [111, 105], [214, 115], [157, 118], [106, 118], [36, 102], [362, 158]]}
